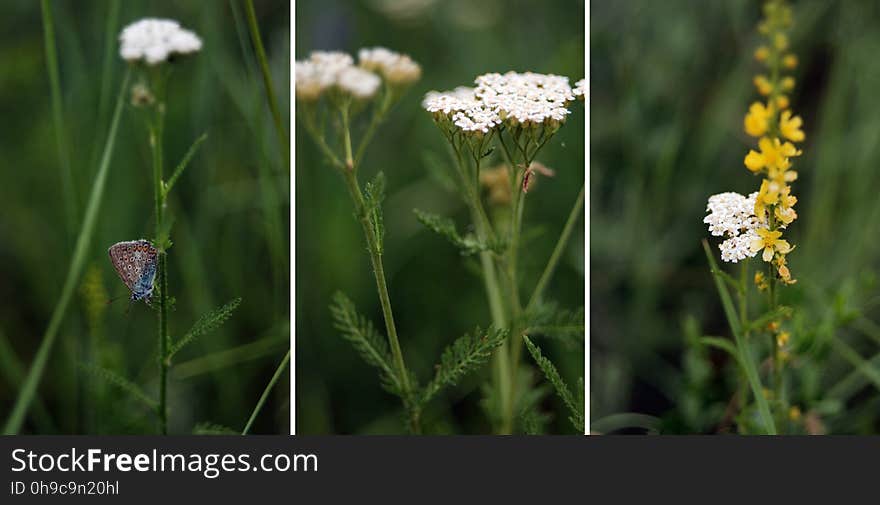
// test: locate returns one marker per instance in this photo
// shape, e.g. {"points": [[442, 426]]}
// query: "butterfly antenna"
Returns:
{"points": [[114, 299]]}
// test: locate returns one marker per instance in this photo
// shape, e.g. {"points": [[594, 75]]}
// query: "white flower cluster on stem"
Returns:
{"points": [[520, 99], [325, 70], [732, 215], [153, 41]]}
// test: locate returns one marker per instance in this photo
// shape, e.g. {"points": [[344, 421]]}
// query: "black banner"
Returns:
{"points": [[146, 469]]}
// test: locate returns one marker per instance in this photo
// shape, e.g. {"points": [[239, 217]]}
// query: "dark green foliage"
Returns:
{"points": [[462, 357], [575, 407], [205, 324]]}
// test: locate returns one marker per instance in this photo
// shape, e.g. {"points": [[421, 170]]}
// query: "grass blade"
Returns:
{"points": [[746, 360], [68, 189], [257, 41], [77, 262], [266, 391]]}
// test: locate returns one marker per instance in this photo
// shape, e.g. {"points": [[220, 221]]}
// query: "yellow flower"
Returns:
{"points": [[790, 127], [769, 241], [761, 53], [773, 156], [782, 338], [787, 83], [763, 84], [780, 42], [756, 121], [767, 195], [782, 102], [761, 281], [790, 61], [782, 269], [794, 413], [784, 211]]}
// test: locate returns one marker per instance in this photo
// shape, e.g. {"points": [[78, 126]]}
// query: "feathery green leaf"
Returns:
{"points": [[552, 375], [207, 323], [120, 382], [183, 163], [444, 226], [466, 354], [371, 345], [374, 195], [547, 320], [213, 429]]}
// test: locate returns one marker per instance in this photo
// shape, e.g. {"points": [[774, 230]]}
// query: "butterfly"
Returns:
{"points": [[135, 262]]}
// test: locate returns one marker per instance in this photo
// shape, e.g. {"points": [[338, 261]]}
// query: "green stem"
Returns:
{"points": [[547, 274], [67, 185], [159, 194], [265, 395], [77, 262], [374, 248], [254, 29]]}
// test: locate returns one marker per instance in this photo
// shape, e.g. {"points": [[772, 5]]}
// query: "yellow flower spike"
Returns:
{"points": [[762, 53], [757, 120], [787, 83], [773, 326], [780, 42], [770, 242], [763, 84], [790, 127], [790, 61]]}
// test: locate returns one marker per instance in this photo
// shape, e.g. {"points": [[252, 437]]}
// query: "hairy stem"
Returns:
{"points": [[374, 248], [159, 195]]}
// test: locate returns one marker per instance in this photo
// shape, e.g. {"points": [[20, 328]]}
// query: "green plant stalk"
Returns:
{"points": [[254, 29], [265, 395], [68, 189], [746, 360], [349, 173], [483, 230], [77, 262], [159, 195], [556, 255]]}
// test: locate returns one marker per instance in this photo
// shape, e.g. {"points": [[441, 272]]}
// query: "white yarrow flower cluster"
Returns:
{"points": [[580, 89], [526, 98], [396, 68], [155, 40], [732, 215], [334, 69]]}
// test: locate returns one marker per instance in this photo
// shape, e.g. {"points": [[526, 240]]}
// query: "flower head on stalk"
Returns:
{"points": [[521, 110], [148, 44], [329, 83], [154, 41]]}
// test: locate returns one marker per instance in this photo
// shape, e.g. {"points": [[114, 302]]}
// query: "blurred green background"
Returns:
{"points": [[436, 294], [670, 84], [230, 212]]}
